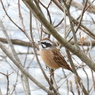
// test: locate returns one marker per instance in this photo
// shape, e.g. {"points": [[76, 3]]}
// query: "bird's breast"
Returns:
{"points": [[47, 57]]}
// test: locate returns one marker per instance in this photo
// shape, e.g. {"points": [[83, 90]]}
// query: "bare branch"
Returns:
{"points": [[7, 52], [70, 47]]}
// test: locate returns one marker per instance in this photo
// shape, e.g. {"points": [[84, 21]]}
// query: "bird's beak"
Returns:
{"points": [[38, 43]]}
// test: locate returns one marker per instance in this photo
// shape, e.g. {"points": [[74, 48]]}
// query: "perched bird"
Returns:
{"points": [[51, 55]]}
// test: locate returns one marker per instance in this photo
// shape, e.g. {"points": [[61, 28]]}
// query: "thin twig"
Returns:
{"points": [[32, 42], [7, 52]]}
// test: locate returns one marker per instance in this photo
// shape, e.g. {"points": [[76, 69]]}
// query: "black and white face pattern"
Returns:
{"points": [[46, 44]]}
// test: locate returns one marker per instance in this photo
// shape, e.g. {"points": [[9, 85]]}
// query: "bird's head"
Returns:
{"points": [[46, 43]]}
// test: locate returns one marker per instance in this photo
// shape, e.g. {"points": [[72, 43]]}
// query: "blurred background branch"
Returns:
{"points": [[25, 22]]}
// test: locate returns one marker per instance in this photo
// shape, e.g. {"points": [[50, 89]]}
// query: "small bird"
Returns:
{"points": [[51, 55]]}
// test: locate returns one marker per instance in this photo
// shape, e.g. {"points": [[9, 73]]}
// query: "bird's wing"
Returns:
{"points": [[59, 59]]}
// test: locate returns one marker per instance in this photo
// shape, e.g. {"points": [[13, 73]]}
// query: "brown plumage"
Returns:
{"points": [[51, 55]]}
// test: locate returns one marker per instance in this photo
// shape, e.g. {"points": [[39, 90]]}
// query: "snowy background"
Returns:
{"points": [[6, 65]]}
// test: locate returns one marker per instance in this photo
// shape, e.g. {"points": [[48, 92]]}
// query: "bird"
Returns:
{"points": [[51, 56]]}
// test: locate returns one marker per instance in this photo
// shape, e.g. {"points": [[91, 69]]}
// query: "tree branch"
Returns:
{"points": [[7, 52], [65, 43], [28, 44]]}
